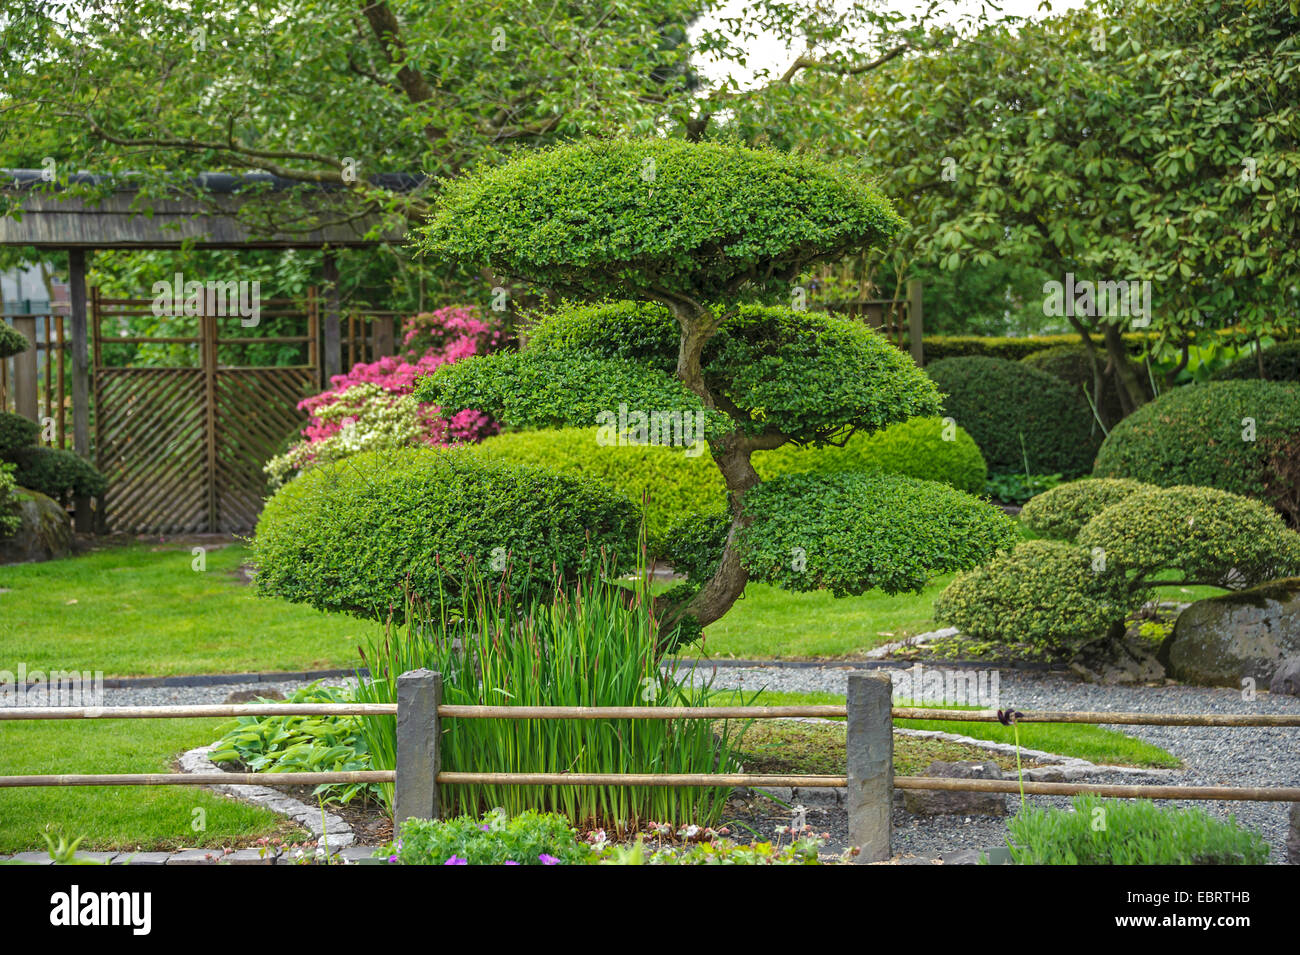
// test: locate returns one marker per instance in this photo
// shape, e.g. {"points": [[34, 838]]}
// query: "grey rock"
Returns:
{"points": [[1287, 678], [252, 696], [1224, 640], [927, 802], [45, 531]]}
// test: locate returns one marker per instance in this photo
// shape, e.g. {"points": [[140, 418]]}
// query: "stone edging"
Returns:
{"points": [[335, 834]]}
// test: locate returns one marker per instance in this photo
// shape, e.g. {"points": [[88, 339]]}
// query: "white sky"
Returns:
{"points": [[770, 53]]}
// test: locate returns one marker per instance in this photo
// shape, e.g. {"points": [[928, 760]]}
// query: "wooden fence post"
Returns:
{"points": [[80, 374], [25, 371], [415, 791], [870, 740]]}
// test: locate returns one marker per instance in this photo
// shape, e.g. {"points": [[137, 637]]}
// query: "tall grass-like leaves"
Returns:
{"points": [[593, 645]]}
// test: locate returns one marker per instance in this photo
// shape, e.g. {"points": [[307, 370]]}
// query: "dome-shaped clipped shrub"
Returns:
{"points": [[1281, 363], [12, 341], [1019, 416], [1044, 592], [16, 433], [1215, 435], [676, 482], [851, 532], [350, 535], [1061, 512], [916, 447], [58, 474], [1070, 363], [1209, 536]]}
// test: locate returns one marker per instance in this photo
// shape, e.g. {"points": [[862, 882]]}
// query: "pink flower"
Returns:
{"points": [[455, 860], [548, 860], [510, 862]]}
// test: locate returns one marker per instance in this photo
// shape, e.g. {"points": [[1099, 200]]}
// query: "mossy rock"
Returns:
{"points": [[1226, 639], [44, 534]]}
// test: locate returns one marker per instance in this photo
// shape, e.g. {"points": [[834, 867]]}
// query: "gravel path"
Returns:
{"points": [[1237, 756], [1234, 756]]}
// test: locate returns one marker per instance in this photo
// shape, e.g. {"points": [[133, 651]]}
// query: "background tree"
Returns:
{"points": [[701, 232]]}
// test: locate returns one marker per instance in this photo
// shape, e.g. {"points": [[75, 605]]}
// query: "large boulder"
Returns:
{"points": [[1223, 640], [44, 534]]}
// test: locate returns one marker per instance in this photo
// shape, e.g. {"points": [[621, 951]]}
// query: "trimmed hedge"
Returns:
{"points": [[915, 448], [1061, 512], [851, 532], [675, 484], [1196, 435], [1070, 363], [1210, 536], [1002, 403], [1044, 592], [938, 347], [1281, 363], [58, 474], [16, 433], [350, 535]]}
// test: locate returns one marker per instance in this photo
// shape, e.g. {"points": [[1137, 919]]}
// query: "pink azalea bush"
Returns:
{"points": [[371, 407]]}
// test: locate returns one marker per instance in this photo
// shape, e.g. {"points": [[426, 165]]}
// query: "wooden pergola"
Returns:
{"points": [[205, 216]]}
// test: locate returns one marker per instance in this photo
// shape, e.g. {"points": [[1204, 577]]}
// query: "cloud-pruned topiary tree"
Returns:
{"points": [[674, 247]]}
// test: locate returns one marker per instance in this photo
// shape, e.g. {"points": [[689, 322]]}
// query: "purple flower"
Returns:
{"points": [[393, 857], [548, 860], [485, 827], [510, 862], [455, 860]]}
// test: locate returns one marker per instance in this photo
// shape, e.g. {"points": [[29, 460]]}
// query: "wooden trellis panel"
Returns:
{"points": [[183, 448]]}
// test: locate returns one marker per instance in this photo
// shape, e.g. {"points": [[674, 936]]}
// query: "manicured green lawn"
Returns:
{"points": [[142, 610], [1097, 744], [116, 817]]}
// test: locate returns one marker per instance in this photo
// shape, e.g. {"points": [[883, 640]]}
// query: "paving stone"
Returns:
{"points": [[32, 858], [193, 857], [141, 858]]}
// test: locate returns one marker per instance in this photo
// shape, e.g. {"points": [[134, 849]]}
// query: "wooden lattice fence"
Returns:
{"points": [[183, 444]]}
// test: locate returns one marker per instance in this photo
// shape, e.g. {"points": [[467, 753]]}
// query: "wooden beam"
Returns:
{"points": [[80, 372]]}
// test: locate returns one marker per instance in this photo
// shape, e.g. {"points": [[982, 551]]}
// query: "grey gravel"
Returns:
{"points": [[1212, 756]]}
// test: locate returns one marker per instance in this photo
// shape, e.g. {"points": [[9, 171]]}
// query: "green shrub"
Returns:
{"points": [[1210, 536], [1070, 363], [1130, 832], [1061, 512], [675, 482], [916, 448], [939, 347], [530, 838], [58, 474], [1199, 434], [1022, 419], [851, 532], [1048, 593], [10, 520], [301, 744], [351, 535], [1016, 487], [1281, 363], [12, 341], [16, 433]]}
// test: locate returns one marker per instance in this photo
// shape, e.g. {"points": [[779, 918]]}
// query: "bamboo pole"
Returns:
{"points": [[1240, 793], [1126, 719], [198, 779], [706, 780], [196, 711], [636, 712]]}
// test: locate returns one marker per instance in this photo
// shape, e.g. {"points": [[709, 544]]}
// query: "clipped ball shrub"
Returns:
{"points": [[1021, 418], [1281, 363], [58, 474], [850, 532], [1211, 536], [1215, 435], [1070, 363], [350, 535], [12, 341], [1048, 593], [1061, 512], [673, 481], [16, 433], [916, 448]]}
